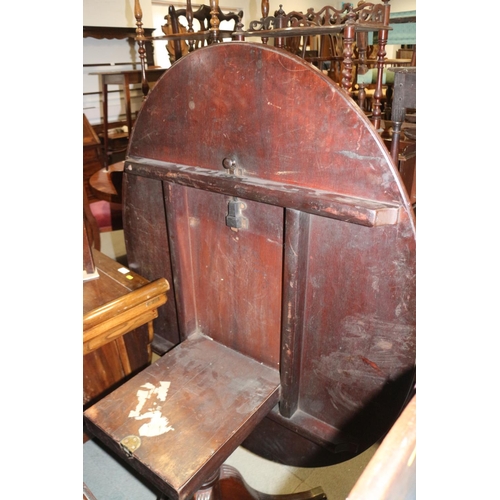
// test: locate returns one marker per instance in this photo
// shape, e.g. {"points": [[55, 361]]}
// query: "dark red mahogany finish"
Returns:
{"points": [[261, 192], [323, 279]]}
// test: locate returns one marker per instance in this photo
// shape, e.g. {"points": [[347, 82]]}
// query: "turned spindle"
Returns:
{"points": [[189, 17], [140, 38], [214, 21], [349, 33], [264, 8], [382, 42]]}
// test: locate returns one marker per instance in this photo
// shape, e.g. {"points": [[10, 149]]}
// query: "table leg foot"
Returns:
{"points": [[232, 485]]}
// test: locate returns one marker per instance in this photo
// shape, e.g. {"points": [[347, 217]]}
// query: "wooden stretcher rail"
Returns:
{"points": [[370, 213], [293, 31], [195, 36]]}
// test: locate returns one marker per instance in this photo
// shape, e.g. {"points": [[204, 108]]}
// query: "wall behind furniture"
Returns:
{"points": [[399, 6], [115, 13], [106, 55], [111, 54], [403, 5]]}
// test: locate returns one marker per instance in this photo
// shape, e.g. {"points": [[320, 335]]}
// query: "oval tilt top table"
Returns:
{"points": [[261, 192]]}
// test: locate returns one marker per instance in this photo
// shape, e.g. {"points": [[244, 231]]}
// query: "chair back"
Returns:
{"points": [[189, 21], [176, 48]]}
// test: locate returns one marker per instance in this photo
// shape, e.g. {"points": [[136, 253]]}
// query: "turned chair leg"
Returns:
{"points": [[396, 133]]}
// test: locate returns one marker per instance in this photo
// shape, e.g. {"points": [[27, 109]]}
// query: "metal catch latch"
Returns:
{"points": [[129, 444], [234, 217], [230, 165]]}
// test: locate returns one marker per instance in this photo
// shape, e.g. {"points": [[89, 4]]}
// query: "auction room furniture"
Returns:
{"points": [[288, 239], [203, 16], [120, 33], [118, 309], [405, 96], [181, 39], [91, 229], [402, 144], [349, 21], [125, 79], [105, 62], [407, 160], [93, 158], [101, 213], [366, 79], [106, 183]]}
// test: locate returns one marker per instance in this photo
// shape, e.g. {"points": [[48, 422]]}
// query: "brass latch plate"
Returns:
{"points": [[130, 444]]}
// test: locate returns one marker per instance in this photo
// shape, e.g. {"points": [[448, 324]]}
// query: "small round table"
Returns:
{"points": [[106, 184]]}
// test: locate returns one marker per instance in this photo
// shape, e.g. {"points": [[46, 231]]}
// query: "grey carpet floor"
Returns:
{"points": [[109, 478]]}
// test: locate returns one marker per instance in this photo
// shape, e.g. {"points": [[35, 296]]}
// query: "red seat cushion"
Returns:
{"points": [[108, 215]]}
